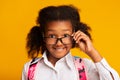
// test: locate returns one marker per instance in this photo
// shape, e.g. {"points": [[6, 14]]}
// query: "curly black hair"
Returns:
{"points": [[35, 42]]}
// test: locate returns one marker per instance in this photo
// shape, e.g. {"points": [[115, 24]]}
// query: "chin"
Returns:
{"points": [[60, 55]]}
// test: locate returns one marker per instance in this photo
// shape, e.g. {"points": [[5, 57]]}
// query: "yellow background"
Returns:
{"points": [[18, 16]]}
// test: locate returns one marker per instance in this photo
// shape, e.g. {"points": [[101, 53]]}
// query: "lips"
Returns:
{"points": [[59, 49]]}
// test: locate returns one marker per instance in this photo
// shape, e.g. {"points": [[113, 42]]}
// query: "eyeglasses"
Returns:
{"points": [[66, 39]]}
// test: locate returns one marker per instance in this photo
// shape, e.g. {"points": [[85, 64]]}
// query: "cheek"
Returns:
{"points": [[70, 46], [49, 47]]}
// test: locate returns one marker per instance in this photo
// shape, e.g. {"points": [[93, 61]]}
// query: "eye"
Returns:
{"points": [[52, 36], [66, 35]]}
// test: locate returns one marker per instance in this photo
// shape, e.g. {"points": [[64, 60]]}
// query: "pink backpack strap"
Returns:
{"points": [[79, 64], [31, 69]]}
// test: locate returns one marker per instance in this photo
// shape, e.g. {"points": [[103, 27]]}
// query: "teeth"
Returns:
{"points": [[59, 49]]}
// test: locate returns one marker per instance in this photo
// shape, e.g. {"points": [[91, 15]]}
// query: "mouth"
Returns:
{"points": [[59, 49]]}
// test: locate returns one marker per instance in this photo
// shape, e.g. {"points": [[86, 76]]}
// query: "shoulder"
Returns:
{"points": [[32, 61], [90, 65], [87, 62]]}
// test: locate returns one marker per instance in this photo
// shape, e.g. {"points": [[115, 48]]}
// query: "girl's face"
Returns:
{"points": [[58, 38]]}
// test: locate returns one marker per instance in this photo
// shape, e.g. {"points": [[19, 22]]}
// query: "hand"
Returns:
{"points": [[83, 41], [86, 46]]}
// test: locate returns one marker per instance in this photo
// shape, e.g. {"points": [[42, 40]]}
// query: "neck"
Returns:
{"points": [[52, 59]]}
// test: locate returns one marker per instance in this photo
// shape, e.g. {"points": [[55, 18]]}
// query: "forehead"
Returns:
{"points": [[59, 26]]}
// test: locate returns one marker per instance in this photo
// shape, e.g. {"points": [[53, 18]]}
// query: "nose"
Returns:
{"points": [[59, 41]]}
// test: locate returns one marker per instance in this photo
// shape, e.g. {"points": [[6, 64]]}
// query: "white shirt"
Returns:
{"points": [[64, 69]]}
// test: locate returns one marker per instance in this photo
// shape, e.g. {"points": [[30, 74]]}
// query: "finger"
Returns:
{"points": [[78, 38], [73, 34], [82, 33], [81, 38], [77, 34]]}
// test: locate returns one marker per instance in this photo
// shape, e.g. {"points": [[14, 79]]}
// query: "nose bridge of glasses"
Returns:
{"points": [[59, 39]]}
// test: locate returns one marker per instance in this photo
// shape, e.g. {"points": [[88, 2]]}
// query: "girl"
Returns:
{"points": [[60, 29]]}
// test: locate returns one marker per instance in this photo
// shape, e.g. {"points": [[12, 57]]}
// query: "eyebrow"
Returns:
{"points": [[62, 30]]}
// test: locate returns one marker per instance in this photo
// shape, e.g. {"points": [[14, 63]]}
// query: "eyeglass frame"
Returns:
{"points": [[57, 39]]}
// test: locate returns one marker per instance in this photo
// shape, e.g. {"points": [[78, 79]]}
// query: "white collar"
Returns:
{"points": [[68, 59]]}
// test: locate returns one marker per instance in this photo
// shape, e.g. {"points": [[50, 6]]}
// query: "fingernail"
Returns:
{"points": [[72, 35], [74, 38]]}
